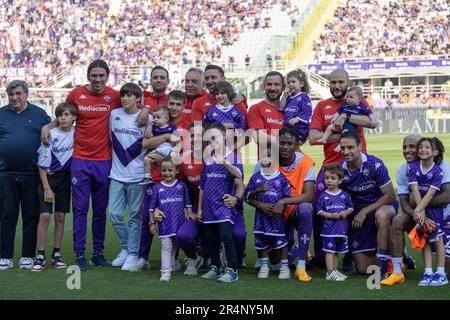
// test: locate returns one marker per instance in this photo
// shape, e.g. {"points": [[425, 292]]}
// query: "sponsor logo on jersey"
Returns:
{"points": [[104, 108], [82, 97], [274, 121], [207, 104], [328, 107], [268, 111]]}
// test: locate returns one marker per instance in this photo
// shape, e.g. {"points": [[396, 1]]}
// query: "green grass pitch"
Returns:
{"points": [[112, 283]]}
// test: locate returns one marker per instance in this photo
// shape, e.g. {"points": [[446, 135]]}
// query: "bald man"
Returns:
{"points": [[322, 116]]}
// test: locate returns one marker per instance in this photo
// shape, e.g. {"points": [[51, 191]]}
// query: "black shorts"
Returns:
{"points": [[60, 184]]}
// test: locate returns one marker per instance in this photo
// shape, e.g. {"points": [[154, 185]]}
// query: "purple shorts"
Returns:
{"points": [[364, 239], [335, 244], [266, 242], [437, 215]]}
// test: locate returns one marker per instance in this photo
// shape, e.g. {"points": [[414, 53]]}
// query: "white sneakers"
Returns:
{"points": [[335, 276], [6, 264], [130, 263], [263, 271], [285, 273], [193, 265], [26, 263], [120, 259], [165, 276]]}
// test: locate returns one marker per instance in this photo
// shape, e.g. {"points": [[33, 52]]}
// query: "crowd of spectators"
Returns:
{"points": [[376, 29], [54, 35]]}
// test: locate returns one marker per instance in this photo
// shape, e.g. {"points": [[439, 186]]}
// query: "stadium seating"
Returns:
{"points": [[55, 35], [372, 30]]}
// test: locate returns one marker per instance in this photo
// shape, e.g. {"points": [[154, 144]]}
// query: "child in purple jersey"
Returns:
{"points": [[297, 107], [226, 113], [171, 197], [334, 205], [269, 186], [55, 184], [218, 198], [353, 105], [159, 127], [425, 179]]}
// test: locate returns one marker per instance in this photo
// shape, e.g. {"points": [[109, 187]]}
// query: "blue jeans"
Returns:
{"points": [[120, 195]]}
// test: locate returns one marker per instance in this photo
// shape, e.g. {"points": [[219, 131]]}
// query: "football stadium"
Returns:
{"points": [[100, 99]]}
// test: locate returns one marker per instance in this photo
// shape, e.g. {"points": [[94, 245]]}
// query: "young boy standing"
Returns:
{"points": [[126, 173], [54, 171]]}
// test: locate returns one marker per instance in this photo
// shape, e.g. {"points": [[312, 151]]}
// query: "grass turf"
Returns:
{"points": [[112, 283]]}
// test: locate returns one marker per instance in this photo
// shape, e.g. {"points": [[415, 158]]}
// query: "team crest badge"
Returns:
{"points": [[179, 187], [107, 98], [82, 97], [366, 172], [117, 118], [430, 175]]}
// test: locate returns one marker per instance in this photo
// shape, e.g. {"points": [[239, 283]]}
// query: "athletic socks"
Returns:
{"points": [[397, 265], [441, 270], [429, 271], [301, 264]]}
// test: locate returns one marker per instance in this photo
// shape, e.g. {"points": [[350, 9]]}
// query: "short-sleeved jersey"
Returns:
{"points": [[403, 181], [205, 102], [321, 119], [172, 200], [92, 126], [360, 110], [128, 154], [334, 203], [364, 185], [151, 101], [216, 181], [300, 107], [188, 106], [191, 172], [58, 154], [231, 115], [432, 178], [279, 188], [265, 116]]}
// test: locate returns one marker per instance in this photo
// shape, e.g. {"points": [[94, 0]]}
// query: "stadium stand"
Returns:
{"points": [[56, 35], [373, 30]]}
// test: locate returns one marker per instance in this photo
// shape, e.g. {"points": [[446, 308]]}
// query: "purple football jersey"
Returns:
{"points": [[299, 106], [426, 180], [364, 184], [432, 178], [230, 115], [157, 131], [216, 181], [334, 203], [360, 110], [279, 188], [172, 200]]}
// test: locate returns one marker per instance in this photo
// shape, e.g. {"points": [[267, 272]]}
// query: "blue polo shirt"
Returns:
{"points": [[20, 136]]}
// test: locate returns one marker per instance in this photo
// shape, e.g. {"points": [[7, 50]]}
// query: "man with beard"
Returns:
{"points": [[159, 80], [322, 116], [213, 75], [264, 117]]}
